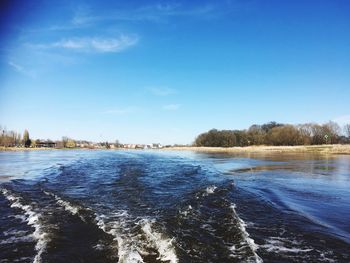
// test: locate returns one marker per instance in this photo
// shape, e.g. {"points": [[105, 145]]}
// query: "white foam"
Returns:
{"points": [[22, 259], [163, 244], [33, 219], [245, 235], [278, 245], [210, 189], [15, 236], [19, 217], [186, 211], [68, 206], [99, 247], [15, 232], [16, 239], [73, 209], [130, 244], [127, 251], [324, 258], [129, 256]]}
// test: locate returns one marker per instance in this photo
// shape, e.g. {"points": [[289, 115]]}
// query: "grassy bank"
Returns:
{"points": [[322, 149]]}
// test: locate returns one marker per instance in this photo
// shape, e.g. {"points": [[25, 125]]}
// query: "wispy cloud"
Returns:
{"points": [[85, 16], [20, 69], [162, 11], [67, 26], [151, 13], [171, 107], [121, 111], [96, 44], [161, 91]]}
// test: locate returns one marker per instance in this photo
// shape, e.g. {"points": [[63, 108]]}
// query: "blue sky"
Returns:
{"points": [[165, 71]]}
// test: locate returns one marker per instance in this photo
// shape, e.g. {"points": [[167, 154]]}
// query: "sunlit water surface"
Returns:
{"points": [[139, 206]]}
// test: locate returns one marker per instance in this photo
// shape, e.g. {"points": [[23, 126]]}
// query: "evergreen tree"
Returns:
{"points": [[26, 139]]}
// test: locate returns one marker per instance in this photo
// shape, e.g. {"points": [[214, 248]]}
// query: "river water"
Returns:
{"points": [[149, 206]]}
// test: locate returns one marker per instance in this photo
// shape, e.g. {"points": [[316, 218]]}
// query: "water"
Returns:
{"points": [[139, 206]]}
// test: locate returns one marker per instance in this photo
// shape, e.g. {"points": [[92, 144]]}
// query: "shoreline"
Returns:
{"points": [[20, 149], [320, 149]]}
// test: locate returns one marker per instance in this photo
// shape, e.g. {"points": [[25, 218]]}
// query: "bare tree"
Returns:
{"points": [[331, 132], [347, 130]]}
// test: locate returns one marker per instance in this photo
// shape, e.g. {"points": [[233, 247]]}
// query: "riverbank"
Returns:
{"points": [[322, 149], [18, 149]]}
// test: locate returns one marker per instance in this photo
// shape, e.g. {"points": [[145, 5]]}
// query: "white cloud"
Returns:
{"points": [[342, 120], [161, 91], [97, 44], [21, 69], [171, 107]]}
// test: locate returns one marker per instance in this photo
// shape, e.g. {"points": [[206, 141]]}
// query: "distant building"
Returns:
{"points": [[84, 144], [45, 144], [156, 146], [141, 146], [112, 146], [131, 146]]}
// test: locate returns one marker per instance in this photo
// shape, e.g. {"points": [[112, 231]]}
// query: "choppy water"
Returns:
{"points": [[134, 206]]}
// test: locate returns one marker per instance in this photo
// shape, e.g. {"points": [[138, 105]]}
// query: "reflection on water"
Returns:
{"points": [[139, 206]]}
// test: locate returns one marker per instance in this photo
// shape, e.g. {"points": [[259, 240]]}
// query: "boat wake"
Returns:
{"points": [[68, 206], [207, 226], [136, 238], [133, 238], [139, 207], [33, 219], [164, 245], [248, 241]]}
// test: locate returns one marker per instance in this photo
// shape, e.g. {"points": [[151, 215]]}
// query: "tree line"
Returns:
{"points": [[274, 133], [10, 138]]}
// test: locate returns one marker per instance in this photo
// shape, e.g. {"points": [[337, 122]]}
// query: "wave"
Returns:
{"points": [[210, 189], [282, 245], [185, 212], [33, 219], [132, 244], [291, 248], [22, 218], [114, 225], [127, 252], [16, 236], [16, 239], [163, 244], [245, 235], [68, 206]]}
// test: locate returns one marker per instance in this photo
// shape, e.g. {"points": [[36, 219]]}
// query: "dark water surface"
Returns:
{"points": [[135, 206]]}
